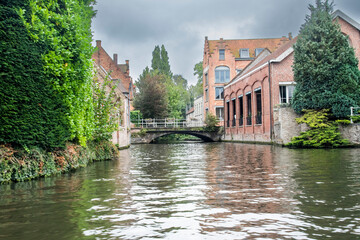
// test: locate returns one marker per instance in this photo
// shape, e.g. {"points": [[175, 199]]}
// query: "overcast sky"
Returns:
{"points": [[132, 28]]}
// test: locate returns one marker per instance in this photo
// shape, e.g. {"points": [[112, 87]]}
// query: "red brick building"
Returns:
{"points": [[250, 97], [223, 60], [116, 71]]}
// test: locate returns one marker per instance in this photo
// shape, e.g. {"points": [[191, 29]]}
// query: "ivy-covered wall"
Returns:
{"points": [[46, 72]]}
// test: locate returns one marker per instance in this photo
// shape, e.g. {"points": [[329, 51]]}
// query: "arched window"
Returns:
{"points": [[222, 74]]}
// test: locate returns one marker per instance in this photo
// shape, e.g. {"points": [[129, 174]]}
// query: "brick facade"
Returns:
{"points": [[115, 70], [260, 85], [232, 60]]}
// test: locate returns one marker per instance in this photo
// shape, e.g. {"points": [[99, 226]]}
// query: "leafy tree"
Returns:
{"points": [[156, 63], [165, 65], [198, 71], [160, 61], [151, 99], [325, 67]]}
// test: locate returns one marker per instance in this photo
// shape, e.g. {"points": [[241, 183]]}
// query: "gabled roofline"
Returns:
{"points": [[345, 17], [280, 58]]}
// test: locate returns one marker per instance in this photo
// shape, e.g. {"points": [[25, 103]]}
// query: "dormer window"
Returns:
{"points": [[258, 51], [221, 54], [244, 53]]}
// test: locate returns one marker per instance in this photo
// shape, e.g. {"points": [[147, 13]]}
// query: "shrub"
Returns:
{"points": [[323, 133]]}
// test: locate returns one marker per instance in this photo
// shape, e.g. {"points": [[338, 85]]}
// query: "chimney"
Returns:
{"points": [[128, 67], [98, 43], [221, 39], [206, 38], [115, 59], [290, 36]]}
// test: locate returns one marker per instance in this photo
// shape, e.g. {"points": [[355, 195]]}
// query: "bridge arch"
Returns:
{"points": [[200, 136], [152, 134]]}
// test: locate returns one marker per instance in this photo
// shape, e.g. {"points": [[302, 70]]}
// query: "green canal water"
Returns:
{"points": [[193, 191]]}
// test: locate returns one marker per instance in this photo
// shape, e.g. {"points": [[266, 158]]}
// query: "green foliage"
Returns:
{"points": [[160, 61], [325, 67], [106, 108], [343, 121], [211, 123], [141, 133], [165, 65], [178, 96], [356, 118], [151, 99], [323, 133], [65, 29], [25, 164], [31, 112], [135, 116]]}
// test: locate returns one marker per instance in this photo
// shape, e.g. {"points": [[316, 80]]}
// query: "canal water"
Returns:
{"points": [[193, 191]]}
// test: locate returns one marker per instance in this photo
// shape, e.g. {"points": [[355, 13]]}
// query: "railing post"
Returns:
{"points": [[351, 114]]}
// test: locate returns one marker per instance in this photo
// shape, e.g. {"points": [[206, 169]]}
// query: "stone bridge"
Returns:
{"points": [[148, 135]]}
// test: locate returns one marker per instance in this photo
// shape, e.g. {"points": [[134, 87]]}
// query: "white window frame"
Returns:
{"points": [[222, 112], [286, 85], [222, 70], [245, 54]]}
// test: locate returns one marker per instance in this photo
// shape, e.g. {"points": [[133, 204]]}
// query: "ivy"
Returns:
{"points": [[106, 109], [64, 28]]}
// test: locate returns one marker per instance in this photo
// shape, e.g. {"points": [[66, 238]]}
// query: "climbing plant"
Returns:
{"points": [[64, 28]]}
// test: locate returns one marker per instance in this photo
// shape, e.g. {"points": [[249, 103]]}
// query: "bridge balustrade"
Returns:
{"points": [[160, 123]]}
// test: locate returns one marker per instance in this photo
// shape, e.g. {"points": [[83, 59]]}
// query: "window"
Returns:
{"points": [[206, 95], [258, 116], [286, 93], [234, 112], [241, 113], [222, 74], [258, 51], [219, 93], [221, 54], [206, 79], [220, 113], [248, 117], [244, 53], [227, 114]]}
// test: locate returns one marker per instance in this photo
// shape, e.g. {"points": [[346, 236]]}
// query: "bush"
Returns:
{"points": [[211, 123], [323, 133]]}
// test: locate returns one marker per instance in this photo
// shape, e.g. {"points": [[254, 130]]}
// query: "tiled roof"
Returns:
{"points": [[282, 49], [235, 45]]}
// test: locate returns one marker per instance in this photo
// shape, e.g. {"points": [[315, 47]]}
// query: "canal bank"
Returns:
{"points": [[25, 164]]}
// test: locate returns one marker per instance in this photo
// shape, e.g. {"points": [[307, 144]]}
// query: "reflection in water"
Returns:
{"points": [[193, 191]]}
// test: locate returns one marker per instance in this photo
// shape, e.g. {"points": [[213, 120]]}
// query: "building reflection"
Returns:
{"points": [[248, 180]]}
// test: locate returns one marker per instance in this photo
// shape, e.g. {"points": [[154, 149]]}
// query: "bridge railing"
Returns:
{"points": [[160, 123]]}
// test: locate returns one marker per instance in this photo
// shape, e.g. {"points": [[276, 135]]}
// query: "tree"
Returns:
{"points": [[165, 65], [325, 67], [151, 99], [160, 61], [156, 59]]}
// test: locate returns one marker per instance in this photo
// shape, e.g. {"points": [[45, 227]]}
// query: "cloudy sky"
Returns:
{"points": [[132, 28]]}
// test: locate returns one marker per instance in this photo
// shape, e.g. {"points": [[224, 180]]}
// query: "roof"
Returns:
{"points": [[190, 111], [235, 45], [348, 19], [281, 53]]}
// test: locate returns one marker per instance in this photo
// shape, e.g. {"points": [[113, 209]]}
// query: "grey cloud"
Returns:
{"points": [[133, 28]]}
